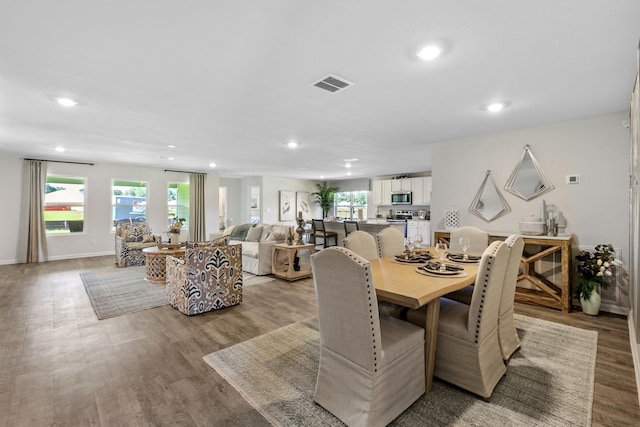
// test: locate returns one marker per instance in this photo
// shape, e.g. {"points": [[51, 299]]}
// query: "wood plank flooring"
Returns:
{"points": [[59, 365]]}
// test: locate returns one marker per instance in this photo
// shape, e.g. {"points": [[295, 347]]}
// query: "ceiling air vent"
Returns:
{"points": [[333, 83]]}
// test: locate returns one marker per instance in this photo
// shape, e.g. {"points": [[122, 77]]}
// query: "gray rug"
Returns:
{"points": [[118, 291], [549, 381]]}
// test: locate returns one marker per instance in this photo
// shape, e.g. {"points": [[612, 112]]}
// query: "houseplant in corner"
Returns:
{"points": [[324, 197], [594, 271]]}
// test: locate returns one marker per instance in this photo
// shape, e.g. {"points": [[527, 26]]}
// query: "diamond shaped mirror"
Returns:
{"points": [[528, 179], [489, 203]]}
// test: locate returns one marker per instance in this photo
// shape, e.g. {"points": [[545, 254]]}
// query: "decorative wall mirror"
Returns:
{"points": [[489, 203], [528, 179]]}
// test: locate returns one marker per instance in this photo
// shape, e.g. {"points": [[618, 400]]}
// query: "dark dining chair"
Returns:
{"points": [[319, 231], [350, 227]]}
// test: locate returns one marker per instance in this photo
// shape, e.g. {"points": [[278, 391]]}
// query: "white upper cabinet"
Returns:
{"points": [[421, 189]]}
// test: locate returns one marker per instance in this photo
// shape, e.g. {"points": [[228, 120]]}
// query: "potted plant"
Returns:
{"points": [[175, 226], [324, 197], [594, 271]]}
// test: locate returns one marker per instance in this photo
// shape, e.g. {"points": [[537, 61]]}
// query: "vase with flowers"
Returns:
{"points": [[175, 226], [594, 272]]}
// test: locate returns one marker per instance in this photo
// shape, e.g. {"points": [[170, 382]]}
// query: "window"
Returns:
{"points": [[129, 202], [351, 205], [64, 205], [178, 202]]}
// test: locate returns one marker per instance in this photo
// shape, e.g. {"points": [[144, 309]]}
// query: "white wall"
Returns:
{"points": [[597, 209], [97, 237]]}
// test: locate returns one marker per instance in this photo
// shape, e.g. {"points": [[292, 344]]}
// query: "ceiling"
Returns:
{"points": [[231, 82]]}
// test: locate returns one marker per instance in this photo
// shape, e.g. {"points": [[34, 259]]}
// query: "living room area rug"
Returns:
{"points": [[549, 381], [117, 291]]}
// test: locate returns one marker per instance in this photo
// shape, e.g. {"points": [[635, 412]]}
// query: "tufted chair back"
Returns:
{"points": [[487, 291], [479, 240], [362, 243], [390, 242], [345, 292]]}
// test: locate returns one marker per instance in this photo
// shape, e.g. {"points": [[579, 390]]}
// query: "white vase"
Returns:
{"points": [[592, 305], [174, 238]]}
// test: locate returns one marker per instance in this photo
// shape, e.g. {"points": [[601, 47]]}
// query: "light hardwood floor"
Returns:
{"points": [[59, 365]]}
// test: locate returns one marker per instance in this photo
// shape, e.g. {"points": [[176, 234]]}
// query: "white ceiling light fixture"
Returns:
{"points": [[349, 173], [496, 107], [212, 165], [66, 102], [347, 165], [171, 146], [60, 149], [292, 144], [429, 52]]}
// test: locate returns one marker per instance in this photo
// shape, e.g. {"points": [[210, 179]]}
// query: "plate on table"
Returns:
{"points": [[454, 257], [415, 259], [434, 269]]}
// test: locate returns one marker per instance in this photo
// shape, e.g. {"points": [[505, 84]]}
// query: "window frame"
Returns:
{"points": [[56, 178]]}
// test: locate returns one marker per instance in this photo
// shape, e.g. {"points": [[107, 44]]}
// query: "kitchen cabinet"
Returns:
{"points": [[381, 189], [420, 227], [402, 184], [421, 190]]}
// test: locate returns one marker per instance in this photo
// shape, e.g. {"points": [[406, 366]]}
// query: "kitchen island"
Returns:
{"points": [[371, 226]]}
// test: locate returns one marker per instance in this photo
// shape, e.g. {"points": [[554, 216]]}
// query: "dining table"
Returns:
{"points": [[401, 283]]}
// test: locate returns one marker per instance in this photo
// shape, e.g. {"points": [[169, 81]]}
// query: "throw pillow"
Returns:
{"points": [[228, 230], [254, 234], [240, 232], [266, 231], [279, 232]]}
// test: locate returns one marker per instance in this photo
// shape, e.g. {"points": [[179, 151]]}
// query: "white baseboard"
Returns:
{"points": [[635, 351], [89, 255], [8, 261]]}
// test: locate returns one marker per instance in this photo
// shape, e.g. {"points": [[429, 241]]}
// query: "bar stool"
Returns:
{"points": [[319, 231], [350, 227]]}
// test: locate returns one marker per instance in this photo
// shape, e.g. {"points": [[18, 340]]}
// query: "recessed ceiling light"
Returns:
{"points": [[170, 158], [66, 102], [347, 165], [321, 176], [349, 173], [212, 165], [495, 107], [350, 160], [292, 144], [59, 149], [427, 53], [171, 146]]}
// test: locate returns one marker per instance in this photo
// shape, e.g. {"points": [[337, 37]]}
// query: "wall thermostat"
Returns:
{"points": [[573, 179]]}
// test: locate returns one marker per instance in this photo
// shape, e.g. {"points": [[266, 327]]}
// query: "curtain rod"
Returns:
{"points": [[171, 170], [62, 161]]}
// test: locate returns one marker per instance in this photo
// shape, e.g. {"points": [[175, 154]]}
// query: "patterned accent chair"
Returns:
{"points": [[208, 278], [131, 239]]}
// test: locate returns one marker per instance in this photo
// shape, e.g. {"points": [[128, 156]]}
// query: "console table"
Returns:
{"points": [[545, 292]]}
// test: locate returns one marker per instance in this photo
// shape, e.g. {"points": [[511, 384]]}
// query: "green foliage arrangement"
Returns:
{"points": [[324, 197], [594, 268]]}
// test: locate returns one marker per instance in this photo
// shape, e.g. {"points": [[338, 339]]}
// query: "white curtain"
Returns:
{"points": [[197, 230], [34, 235]]}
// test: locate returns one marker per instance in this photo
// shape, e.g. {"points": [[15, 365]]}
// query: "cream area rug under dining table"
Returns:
{"points": [[549, 381]]}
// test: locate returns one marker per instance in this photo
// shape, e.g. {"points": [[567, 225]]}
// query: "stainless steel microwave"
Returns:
{"points": [[401, 198]]}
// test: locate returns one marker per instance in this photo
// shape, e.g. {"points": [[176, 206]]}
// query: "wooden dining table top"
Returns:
{"points": [[401, 284]]}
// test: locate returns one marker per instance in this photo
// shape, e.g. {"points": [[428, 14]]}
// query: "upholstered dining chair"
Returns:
{"points": [[507, 334], [362, 243], [371, 366], [468, 353], [478, 238], [350, 226], [390, 242], [319, 230]]}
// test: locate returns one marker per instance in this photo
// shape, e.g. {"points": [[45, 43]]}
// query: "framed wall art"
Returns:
{"points": [[302, 205], [287, 205]]}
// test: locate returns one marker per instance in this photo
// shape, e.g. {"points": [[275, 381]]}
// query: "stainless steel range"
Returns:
{"points": [[401, 216]]}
